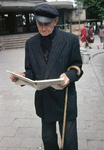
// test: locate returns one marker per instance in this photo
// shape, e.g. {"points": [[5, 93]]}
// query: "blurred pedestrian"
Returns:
{"points": [[101, 35], [87, 28], [90, 36], [83, 36]]}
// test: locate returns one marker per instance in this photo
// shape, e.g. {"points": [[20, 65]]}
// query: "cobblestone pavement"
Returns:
{"points": [[20, 128]]}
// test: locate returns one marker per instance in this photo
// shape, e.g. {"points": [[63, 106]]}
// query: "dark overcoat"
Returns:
{"points": [[64, 52]]}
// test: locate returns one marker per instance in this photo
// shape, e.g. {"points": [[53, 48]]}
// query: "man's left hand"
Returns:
{"points": [[67, 80]]}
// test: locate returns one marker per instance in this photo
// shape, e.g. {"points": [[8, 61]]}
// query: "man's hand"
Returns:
{"points": [[67, 80], [13, 78]]}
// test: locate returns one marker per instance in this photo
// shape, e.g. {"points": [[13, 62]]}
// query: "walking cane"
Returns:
{"points": [[65, 107]]}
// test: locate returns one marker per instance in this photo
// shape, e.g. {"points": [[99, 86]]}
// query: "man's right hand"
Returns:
{"points": [[13, 78]]}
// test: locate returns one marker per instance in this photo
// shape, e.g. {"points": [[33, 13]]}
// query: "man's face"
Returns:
{"points": [[46, 29]]}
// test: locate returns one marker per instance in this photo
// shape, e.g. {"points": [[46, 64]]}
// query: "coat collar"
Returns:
{"points": [[56, 49], [38, 52], [57, 46]]}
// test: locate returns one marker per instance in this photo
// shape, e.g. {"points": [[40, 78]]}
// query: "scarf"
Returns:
{"points": [[46, 43]]}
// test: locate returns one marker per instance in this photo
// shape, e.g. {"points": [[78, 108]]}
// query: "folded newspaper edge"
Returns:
{"points": [[37, 84]]}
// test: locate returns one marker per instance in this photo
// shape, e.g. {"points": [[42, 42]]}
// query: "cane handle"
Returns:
{"points": [[75, 67]]}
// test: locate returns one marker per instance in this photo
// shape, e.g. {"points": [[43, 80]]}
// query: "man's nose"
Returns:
{"points": [[44, 27]]}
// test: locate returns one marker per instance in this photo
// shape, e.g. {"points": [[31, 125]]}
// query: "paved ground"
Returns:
{"points": [[100, 66], [20, 128]]}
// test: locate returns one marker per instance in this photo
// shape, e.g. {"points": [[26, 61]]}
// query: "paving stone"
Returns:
{"points": [[18, 148], [96, 149], [8, 131], [14, 107], [21, 123], [26, 132], [38, 133], [95, 145], [94, 125], [28, 107], [4, 114], [82, 145], [91, 135], [18, 114], [3, 107], [10, 142], [81, 124], [100, 135], [1, 138], [81, 135], [6, 122], [36, 122], [3, 148], [32, 115], [31, 143]]}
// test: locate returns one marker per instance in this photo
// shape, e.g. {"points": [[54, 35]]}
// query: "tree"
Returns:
{"points": [[95, 9]]}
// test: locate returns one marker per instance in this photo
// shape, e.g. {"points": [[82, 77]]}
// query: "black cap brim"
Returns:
{"points": [[44, 19]]}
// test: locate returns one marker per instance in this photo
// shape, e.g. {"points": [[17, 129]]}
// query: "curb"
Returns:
{"points": [[100, 80]]}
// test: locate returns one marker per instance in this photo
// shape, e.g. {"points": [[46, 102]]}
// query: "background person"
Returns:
{"points": [[83, 36], [87, 28], [47, 56], [101, 35], [90, 36]]}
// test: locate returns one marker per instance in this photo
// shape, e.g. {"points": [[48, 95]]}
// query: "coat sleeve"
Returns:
{"points": [[75, 59], [29, 73]]}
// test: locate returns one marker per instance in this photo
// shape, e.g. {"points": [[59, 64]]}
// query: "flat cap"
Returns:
{"points": [[45, 13]]}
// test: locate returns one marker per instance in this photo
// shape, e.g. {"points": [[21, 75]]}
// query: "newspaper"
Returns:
{"points": [[37, 84]]}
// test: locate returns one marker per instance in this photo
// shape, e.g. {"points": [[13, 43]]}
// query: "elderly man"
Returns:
{"points": [[47, 56]]}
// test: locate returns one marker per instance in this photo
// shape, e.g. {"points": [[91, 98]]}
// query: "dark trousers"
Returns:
{"points": [[49, 135]]}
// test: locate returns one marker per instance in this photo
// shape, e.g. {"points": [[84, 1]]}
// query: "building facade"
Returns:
{"points": [[17, 16]]}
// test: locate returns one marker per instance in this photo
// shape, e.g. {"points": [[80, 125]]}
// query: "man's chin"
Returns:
{"points": [[44, 34]]}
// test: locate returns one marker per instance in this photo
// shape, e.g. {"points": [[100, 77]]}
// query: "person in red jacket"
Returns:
{"points": [[83, 36]]}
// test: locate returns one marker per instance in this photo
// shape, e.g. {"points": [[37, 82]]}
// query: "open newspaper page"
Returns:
{"points": [[37, 84]]}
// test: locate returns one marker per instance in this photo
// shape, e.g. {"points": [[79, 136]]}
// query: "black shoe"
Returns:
{"points": [[90, 47]]}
